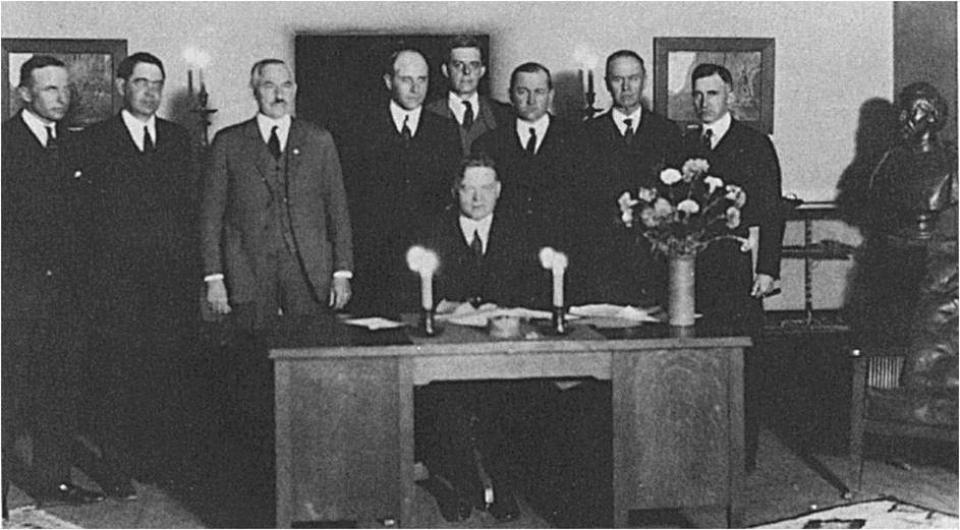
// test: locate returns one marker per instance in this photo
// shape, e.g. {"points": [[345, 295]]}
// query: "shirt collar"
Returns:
{"points": [[135, 127], [399, 114], [541, 126], [266, 124], [719, 128], [619, 117], [455, 103], [38, 126], [482, 226]]}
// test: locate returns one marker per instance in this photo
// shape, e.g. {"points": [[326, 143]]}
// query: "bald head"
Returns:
{"points": [[407, 79]]}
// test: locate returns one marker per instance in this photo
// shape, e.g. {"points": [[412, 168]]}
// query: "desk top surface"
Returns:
{"points": [[329, 337]]}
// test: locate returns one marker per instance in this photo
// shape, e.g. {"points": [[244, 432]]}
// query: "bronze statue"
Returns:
{"points": [[912, 247]]}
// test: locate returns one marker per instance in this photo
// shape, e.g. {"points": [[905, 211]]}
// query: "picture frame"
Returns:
{"points": [[751, 62], [92, 64]]}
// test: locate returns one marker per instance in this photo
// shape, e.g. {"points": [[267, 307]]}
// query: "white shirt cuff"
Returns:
{"points": [[343, 274], [213, 277]]}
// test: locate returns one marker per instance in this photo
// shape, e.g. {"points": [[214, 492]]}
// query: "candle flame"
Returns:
{"points": [[551, 259], [422, 260]]}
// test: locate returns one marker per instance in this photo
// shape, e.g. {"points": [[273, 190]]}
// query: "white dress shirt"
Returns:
{"points": [[400, 114], [619, 119], [541, 126], [135, 128], [469, 227], [455, 102], [266, 124], [38, 126], [719, 128]]}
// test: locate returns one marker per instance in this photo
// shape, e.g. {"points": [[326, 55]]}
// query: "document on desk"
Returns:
{"points": [[481, 317], [614, 316], [374, 323]]}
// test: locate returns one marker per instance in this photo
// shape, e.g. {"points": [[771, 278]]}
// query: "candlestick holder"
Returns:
{"points": [[203, 116], [428, 325], [589, 110], [558, 320]]}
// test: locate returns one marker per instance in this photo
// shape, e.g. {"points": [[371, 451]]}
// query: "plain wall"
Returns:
{"points": [[830, 57]]}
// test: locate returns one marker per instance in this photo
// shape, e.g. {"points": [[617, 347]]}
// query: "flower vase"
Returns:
{"points": [[682, 299]]}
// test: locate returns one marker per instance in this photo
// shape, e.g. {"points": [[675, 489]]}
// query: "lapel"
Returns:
{"points": [[485, 114], [122, 135], [263, 160], [295, 145], [729, 140]]}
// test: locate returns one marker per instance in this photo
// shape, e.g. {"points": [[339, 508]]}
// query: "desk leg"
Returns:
{"points": [[735, 429], [406, 449]]}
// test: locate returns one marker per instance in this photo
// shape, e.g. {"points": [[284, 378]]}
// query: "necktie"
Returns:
{"points": [[532, 142], [467, 115], [274, 144], [706, 140], [405, 131], [477, 244], [628, 133], [148, 145], [51, 139]]}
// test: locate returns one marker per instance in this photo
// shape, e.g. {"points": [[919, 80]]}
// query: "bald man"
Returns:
{"points": [[398, 161]]}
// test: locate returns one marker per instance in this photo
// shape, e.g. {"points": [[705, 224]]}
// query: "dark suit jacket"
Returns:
{"points": [[142, 207], [41, 249], [236, 194], [509, 274], [747, 158], [491, 115], [393, 188], [623, 269], [541, 189]]}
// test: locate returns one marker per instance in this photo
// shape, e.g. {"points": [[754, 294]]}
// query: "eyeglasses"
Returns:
{"points": [[466, 68]]}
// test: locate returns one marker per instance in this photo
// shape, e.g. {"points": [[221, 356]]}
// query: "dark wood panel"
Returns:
{"points": [[679, 400], [346, 415]]}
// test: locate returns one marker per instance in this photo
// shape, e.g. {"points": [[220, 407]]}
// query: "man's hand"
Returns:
{"points": [[217, 297], [762, 286], [339, 293]]}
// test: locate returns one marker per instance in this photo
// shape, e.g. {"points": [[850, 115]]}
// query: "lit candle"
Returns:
{"points": [[590, 82], [190, 82], [580, 76], [425, 263], [200, 79], [556, 262]]}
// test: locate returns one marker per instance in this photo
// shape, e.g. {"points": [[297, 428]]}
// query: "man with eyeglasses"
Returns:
{"points": [[142, 224], [463, 67]]}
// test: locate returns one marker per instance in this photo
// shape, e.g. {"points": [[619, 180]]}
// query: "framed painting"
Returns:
{"points": [[751, 64], [92, 64]]}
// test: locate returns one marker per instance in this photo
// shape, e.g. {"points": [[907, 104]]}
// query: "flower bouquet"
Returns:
{"points": [[687, 212]]}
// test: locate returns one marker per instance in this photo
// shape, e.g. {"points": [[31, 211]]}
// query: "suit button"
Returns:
{"points": [[49, 272]]}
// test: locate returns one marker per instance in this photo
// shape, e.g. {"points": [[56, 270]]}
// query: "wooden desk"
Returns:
{"points": [[344, 414]]}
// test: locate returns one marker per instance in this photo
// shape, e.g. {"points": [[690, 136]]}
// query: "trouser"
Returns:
{"points": [[41, 395]]}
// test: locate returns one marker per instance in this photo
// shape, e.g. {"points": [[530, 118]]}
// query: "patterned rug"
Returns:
{"points": [[30, 517], [881, 513]]}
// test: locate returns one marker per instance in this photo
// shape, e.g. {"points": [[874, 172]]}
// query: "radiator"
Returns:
{"points": [[884, 372]]}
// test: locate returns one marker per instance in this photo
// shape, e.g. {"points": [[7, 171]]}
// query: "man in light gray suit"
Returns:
{"points": [[463, 66]]}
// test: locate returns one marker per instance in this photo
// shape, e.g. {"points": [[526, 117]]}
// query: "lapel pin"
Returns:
{"points": [[296, 151], [77, 174]]}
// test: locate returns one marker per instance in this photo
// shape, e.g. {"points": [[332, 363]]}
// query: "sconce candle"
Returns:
{"points": [[190, 82], [590, 82]]}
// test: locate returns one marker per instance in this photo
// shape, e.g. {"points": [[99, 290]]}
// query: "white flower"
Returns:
{"points": [[649, 217], [689, 206], [733, 217], [647, 194], [736, 194], [713, 183], [627, 217], [670, 176], [694, 168], [662, 207], [625, 202]]}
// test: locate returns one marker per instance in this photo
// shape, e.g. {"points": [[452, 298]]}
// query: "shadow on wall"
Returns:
{"points": [[876, 133]]}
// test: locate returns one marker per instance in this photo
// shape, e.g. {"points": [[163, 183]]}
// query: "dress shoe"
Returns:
{"points": [[69, 493], [120, 489], [505, 507]]}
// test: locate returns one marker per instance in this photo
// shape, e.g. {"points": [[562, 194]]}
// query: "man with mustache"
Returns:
{"points": [[275, 239], [142, 227]]}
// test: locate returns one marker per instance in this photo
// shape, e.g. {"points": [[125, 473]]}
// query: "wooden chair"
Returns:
{"points": [[876, 377]]}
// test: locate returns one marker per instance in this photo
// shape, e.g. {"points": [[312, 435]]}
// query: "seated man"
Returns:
{"points": [[484, 258]]}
